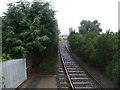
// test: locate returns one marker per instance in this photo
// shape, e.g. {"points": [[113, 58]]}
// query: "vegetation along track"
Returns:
{"points": [[70, 74]]}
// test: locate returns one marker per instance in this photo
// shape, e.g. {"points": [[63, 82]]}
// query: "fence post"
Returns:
{"points": [[28, 64], [25, 70]]}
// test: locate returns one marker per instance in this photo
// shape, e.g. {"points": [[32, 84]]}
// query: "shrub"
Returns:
{"points": [[98, 50]]}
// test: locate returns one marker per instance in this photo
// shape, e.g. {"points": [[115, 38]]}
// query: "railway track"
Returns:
{"points": [[71, 75]]}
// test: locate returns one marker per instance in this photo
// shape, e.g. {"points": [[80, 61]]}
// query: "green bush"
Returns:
{"points": [[49, 67], [28, 29], [98, 50], [113, 68], [43, 66], [6, 57]]}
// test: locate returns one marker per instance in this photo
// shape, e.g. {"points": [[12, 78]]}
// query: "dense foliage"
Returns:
{"points": [[88, 26], [30, 30], [98, 50]]}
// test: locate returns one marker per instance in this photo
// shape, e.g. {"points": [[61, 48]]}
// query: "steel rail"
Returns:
{"points": [[66, 71], [84, 68]]}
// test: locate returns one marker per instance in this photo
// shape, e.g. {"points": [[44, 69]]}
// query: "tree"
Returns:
{"points": [[28, 29], [71, 31], [99, 50], [88, 26]]}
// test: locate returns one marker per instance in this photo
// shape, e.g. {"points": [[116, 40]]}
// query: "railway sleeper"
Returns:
{"points": [[82, 83], [70, 64], [79, 72], [62, 74], [69, 60], [63, 88], [61, 80], [60, 68], [63, 83], [61, 71], [83, 86], [74, 69], [80, 80], [73, 66], [77, 75], [88, 88]]}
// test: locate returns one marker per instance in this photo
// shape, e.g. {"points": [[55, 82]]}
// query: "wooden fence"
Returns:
{"points": [[14, 73]]}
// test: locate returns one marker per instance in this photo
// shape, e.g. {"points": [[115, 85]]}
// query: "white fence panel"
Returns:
{"points": [[14, 73]]}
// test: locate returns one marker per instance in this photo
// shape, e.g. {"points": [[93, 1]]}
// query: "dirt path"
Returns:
{"points": [[47, 81], [29, 79]]}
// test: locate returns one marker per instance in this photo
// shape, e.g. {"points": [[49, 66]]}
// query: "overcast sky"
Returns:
{"points": [[71, 12]]}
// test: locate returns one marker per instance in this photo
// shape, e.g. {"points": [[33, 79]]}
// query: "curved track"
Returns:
{"points": [[72, 75]]}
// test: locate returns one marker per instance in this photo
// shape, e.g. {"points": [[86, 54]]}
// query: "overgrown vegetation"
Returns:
{"points": [[99, 50], [46, 68], [30, 31]]}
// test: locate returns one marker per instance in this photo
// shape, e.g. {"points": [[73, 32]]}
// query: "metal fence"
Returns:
{"points": [[14, 73]]}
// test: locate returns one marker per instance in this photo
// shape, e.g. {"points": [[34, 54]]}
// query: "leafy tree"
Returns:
{"points": [[98, 50], [88, 26], [29, 30], [71, 30]]}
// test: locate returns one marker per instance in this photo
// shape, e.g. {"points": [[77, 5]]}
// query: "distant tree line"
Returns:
{"points": [[99, 50]]}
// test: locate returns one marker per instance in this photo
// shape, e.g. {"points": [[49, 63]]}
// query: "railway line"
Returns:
{"points": [[70, 74]]}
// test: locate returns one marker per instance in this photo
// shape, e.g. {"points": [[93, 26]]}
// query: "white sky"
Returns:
{"points": [[71, 12]]}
